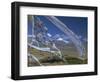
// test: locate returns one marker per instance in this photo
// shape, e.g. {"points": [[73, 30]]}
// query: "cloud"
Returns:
{"points": [[60, 39], [49, 34]]}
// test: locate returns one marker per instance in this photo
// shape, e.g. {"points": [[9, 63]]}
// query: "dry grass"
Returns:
{"points": [[47, 59]]}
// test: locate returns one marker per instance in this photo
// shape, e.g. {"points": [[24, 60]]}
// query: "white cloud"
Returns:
{"points": [[60, 39], [49, 34]]}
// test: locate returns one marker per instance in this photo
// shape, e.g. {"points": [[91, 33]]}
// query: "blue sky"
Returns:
{"points": [[77, 24]]}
